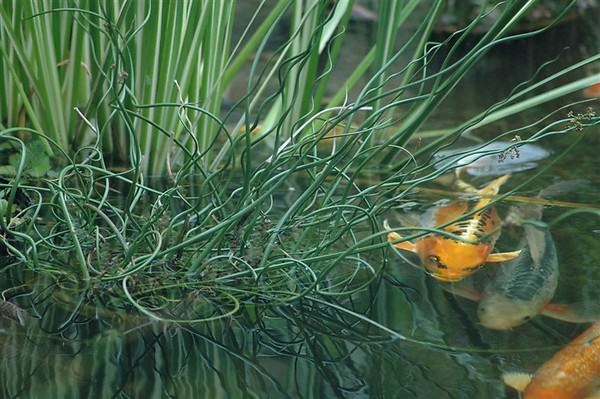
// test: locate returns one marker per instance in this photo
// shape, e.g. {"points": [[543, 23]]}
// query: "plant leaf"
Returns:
{"points": [[37, 163]]}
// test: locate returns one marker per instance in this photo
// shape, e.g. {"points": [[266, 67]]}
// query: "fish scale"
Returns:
{"points": [[517, 280], [476, 228], [572, 373], [523, 286]]}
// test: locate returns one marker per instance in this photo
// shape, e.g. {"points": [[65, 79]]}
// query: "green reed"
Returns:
{"points": [[289, 213], [227, 253]]}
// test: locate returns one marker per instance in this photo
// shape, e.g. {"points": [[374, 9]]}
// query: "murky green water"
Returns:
{"points": [[308, 351]]}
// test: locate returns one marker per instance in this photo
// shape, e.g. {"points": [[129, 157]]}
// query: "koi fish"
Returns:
{"points": [[499, 316], [572, 373], [449, 259], [592, 91], [522, 287]]}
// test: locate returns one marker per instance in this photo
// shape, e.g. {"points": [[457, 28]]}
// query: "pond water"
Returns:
{"points": [[306, 351]]}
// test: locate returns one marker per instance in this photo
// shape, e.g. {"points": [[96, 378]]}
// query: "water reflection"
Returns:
{"points": [[72, 352], [301, 350]]}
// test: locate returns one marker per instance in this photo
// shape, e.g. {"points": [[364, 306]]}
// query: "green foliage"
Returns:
{"points": [[37, 162], [148, 78], [278, 200]]}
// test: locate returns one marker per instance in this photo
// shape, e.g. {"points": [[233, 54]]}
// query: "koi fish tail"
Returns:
{"points": [[405, 245], [503, 256], [493, 187], [517, 380], [460, 184], [490, 190]]}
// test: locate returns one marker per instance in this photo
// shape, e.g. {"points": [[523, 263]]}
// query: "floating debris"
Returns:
{"points": [[492, 159]]}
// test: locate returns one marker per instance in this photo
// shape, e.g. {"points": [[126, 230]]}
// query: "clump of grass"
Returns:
{"points": [[189, 253], [240, 219]]}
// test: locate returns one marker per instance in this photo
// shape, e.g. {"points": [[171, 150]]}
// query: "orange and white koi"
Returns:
{"points": [[572, 373], [449, 259]]}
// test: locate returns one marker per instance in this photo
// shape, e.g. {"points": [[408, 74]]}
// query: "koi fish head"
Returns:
{"points": [[500, 313], [450, 260]]}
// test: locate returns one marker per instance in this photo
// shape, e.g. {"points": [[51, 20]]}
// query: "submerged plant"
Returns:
{"points": [[276, 201]]}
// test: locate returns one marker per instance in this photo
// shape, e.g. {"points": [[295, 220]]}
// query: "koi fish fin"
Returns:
{"points": [[516, 380], [393, 236], [462, 185], [538, 241], [493, 187], [453, 181], [502, 256], [405, 245], [592, 90], [572, 313], [490, 190]]}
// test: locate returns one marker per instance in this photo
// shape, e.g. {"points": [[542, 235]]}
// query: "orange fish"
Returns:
{"points": [[592, 91], [449, 259], [572, 373]]}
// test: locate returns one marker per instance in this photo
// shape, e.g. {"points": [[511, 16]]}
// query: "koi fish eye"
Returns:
{"points": [[526, 318], [434, 259]]}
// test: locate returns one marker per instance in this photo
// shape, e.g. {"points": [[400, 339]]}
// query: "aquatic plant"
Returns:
{"points": [[148, 80], [277, 200], [267, 219]]}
